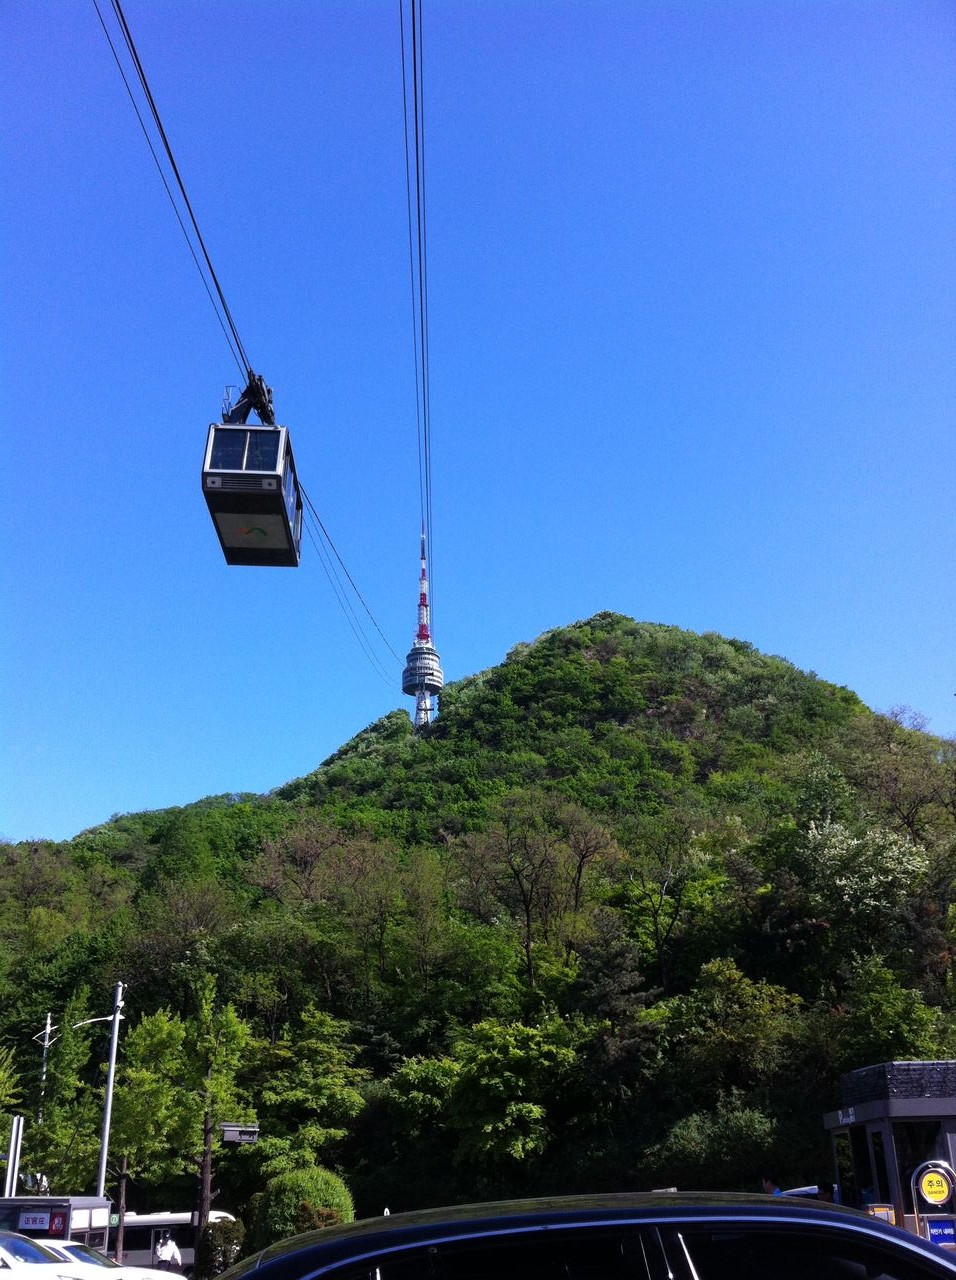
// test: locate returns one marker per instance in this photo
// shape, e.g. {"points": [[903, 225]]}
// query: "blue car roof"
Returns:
{"points": [[366, 1240]]}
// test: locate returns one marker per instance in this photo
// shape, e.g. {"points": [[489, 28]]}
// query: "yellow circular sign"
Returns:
{"points": [[935, 1186]]}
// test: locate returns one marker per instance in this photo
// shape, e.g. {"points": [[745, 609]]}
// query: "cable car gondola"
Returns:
{"points": [[250, 485]]}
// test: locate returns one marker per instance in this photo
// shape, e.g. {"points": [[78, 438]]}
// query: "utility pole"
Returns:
{"points": [[110, 1076], [47, 1034], [46, 1037]]}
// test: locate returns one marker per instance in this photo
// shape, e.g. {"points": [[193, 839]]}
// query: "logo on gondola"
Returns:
{"points": [[254, 528]]}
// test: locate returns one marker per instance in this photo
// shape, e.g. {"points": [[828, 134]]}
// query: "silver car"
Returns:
{"points": [[92, 1265], [18, 1252]]}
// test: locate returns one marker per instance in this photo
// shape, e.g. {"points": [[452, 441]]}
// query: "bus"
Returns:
{"points": [[141, 1231]]}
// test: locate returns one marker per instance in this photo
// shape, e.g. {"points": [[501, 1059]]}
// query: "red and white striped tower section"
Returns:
{"points": [[422, 676]]}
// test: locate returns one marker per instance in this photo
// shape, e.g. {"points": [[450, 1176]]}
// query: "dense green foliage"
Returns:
{"points": [[619, 918], [298, 1201], [220, 1245]]}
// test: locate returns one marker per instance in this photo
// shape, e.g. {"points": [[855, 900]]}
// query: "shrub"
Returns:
{"points": [[303, 1200], [219, 1247]]}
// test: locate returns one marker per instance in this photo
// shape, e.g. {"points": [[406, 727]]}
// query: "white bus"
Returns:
{"points": [[141, 1231]]}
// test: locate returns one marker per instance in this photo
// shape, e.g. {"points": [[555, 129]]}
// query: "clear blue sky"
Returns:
{"points": [[692, 289]]}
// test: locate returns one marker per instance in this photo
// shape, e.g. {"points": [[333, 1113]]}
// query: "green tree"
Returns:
{"points": [[536, 862], [611, 990], [155, 1118], [728, 1033], [905, 774], [878, 1020], [421, 1091], [402, 1148], [9, 1079], [516, 1086], [307, 1086], [425, 932], [720, 1148], [665, 859], [180, 923], [63, 1146], [351, 881], [216, 1038]]}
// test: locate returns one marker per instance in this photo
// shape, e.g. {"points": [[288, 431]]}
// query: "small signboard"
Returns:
{"points": [[942, 1231], [33, 1220], [935, 1181], [935, 1186]]}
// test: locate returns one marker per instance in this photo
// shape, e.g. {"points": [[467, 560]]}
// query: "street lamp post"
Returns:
{"points": [[46, 1037], [46, 1033], [110, 1076]]}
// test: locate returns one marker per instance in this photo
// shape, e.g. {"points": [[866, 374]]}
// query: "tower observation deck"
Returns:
{"points": [[422, 677]]}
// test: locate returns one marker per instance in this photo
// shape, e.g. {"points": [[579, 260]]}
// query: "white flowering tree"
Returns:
{"points": [[862, 880]]}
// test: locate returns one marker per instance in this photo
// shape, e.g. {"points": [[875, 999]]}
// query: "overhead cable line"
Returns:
{"points": [[411, 268], [419, 63], [314, 528], [172, 200], [256, 395], [334, 549], [131, 46], [413, 78]]}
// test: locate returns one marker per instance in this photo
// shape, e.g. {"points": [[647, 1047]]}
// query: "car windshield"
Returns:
{"points": [[23, 1249], [83, 1253]]}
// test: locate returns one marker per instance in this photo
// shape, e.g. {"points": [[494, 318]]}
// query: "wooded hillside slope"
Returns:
{"points": [[618, 919]]}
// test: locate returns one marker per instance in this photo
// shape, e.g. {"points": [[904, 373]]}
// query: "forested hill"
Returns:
{"points": [[614, 715], [619, 918]]}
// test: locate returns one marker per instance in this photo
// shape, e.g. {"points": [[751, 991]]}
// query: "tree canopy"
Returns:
{"points": [[618, 918]]}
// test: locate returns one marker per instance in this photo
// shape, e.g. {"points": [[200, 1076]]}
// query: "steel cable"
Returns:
{"points": [[172, 199], [224, 317], [418, 260]]}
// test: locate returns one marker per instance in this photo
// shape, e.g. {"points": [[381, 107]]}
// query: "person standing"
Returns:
{"points": [[168, 1257]]}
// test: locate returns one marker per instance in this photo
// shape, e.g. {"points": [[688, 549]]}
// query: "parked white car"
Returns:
{"points": [[18, 1252], [89, 1264]]}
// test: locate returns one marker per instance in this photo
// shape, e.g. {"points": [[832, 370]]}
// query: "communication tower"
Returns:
{"points": [[422, 676]]}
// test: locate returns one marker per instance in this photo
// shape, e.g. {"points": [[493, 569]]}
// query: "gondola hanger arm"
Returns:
{"points": [[257, 398]]}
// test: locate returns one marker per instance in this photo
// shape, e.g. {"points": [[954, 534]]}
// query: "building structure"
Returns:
{"points": [[422, 678], [895, 1118]]}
